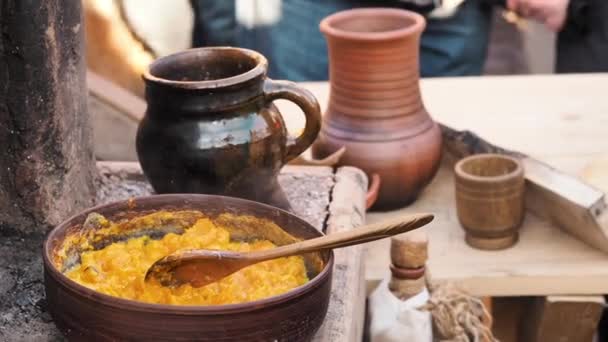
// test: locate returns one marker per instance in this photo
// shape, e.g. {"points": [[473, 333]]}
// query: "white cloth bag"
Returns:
{"points": [[394, 320]]}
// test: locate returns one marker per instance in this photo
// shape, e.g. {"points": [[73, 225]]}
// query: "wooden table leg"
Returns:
{"points": [[561, 318], [487, 302]]}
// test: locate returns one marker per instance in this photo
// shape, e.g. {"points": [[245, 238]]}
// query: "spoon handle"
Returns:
{"points": [[366, 233]]}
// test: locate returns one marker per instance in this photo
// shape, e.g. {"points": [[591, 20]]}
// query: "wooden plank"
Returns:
{"points": [[561, 318], [115, 113], [114, 137], [345, 316], [113, 95], [571, 204], [308, 190]]}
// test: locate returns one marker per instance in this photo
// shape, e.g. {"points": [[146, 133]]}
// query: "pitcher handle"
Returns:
{"points": [[274, 90]]}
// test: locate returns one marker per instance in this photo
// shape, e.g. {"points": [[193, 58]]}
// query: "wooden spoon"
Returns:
{"points": [[202, 267]]}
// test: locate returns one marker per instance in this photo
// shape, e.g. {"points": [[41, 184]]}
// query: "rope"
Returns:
{"points": [[458, 317]]}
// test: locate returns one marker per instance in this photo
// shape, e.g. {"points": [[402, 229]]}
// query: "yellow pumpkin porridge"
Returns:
{"points": [[119, 268]]}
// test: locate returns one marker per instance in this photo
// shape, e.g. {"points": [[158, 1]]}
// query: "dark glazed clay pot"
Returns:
{"points": [[210, 126], [375, 108], [85, 315]]}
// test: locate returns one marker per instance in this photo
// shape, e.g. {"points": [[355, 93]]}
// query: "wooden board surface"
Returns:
{"points": [[545, 261], [559, 120], [345, 317]]}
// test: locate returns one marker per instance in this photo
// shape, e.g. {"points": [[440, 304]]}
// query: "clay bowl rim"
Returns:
{"points": [[258, 70], [517, 173], [327, 25], [133, 305]]}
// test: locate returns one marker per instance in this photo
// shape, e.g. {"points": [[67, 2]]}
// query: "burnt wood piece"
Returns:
{"points": [[568, 202], [47, 160]]}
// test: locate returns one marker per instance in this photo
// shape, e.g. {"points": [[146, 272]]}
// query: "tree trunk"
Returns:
{"points": [[47, 164]]}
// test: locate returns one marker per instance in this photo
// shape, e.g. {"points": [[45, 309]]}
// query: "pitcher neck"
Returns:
{"points": [[203, 99], [208, 79], [379, 83], [374, 61]]}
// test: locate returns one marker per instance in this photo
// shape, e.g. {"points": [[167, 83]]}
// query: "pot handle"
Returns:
{"points": [[274, 90], [372, 192]]}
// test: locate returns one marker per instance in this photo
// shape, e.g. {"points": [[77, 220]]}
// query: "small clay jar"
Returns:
{"points": [[375, 108], [490, 199]]}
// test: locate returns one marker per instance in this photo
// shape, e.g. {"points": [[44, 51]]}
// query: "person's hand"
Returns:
{"points": [[552, 13]]}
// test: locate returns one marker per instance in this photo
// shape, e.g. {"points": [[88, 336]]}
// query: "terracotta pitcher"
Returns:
{"points": [[375, 108], [211, 127]]}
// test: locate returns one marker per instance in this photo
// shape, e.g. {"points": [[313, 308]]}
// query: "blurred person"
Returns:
{"points": [[214, 22], [582, 27], [454, 42]]}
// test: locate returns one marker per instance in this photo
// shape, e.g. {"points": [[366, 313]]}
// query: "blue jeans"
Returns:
{"points": [[297, 51]]}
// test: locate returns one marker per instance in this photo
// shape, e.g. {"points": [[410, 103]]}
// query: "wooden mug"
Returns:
{"points": [[490, 199]]}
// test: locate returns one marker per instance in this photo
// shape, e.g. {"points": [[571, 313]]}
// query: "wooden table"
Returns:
{"points": [[560, 120]]}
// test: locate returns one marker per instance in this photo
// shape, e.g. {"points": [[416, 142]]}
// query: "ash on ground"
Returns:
{"points": [[23, 312], [115, 187], [308, 193]]}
